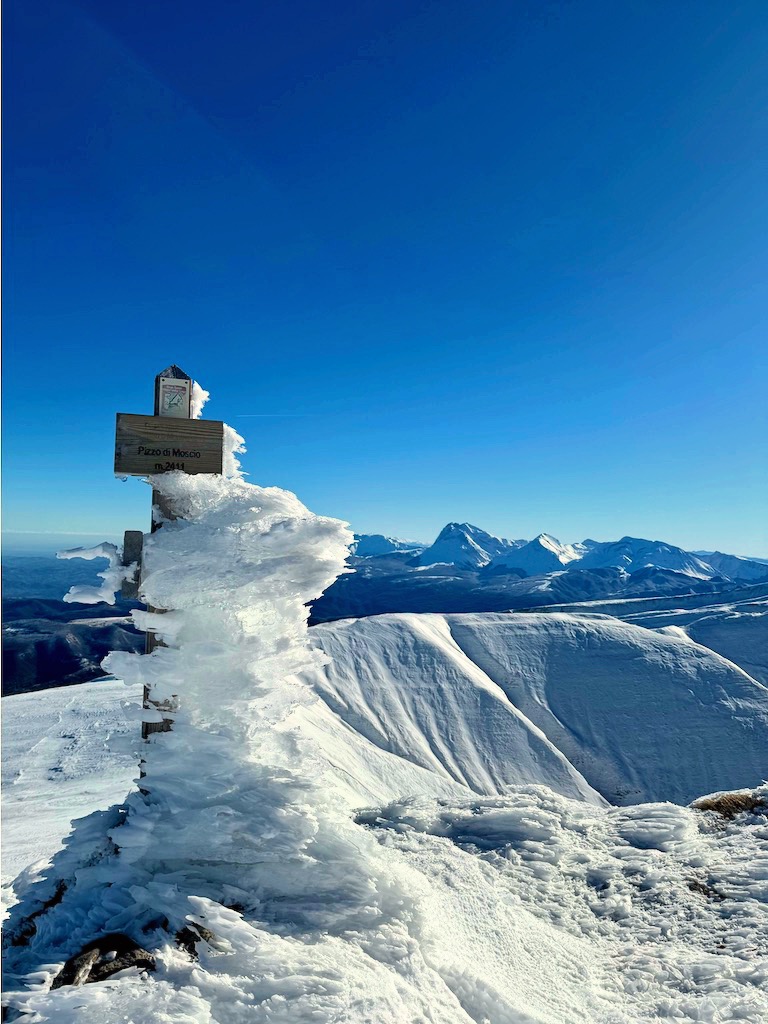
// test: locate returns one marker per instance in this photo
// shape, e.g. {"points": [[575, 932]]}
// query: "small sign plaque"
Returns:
{"points": [[145, 445], [174, 395]]}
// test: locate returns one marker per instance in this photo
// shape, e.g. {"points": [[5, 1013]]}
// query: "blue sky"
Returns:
{"points": [[500, 262]]}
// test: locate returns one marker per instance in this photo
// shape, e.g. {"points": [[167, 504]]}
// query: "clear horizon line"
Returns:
{"points": [[57, 533]]}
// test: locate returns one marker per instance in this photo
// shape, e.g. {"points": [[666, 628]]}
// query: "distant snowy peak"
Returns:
{"points": [[734, 566], [371, 545], [583, 547], [544, 554], [465, 546], [633, 553]]}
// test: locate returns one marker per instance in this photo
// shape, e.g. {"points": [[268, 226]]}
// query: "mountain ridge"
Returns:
{"points": [[467, 546]]}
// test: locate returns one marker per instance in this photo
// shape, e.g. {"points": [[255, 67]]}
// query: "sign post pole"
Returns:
{"points": [[148, 445], [173, 399]]}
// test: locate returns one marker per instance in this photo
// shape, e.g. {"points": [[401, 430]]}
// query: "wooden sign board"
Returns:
{"points": [[145, 445]]}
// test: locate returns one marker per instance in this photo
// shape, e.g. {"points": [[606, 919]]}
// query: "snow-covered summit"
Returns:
{"points": [[734, 566], [414, 832], [633, 553], [464, 546], [544, 554], [468, 569]]}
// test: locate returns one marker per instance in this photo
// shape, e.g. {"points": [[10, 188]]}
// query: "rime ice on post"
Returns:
{"points": [[172, 439], [173, 400]]}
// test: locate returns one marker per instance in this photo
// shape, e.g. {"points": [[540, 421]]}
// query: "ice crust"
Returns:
{"points": [[436, 904], [113, 575], [198, 399]]}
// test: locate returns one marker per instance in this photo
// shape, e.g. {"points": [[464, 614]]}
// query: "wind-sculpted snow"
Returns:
{"points": [[642, 716], [670, 902], [404, 683], [494, 699], [111, 577]]}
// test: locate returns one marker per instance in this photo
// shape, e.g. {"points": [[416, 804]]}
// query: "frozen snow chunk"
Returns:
{"points": [[655, 826], [112, 576], [198, 399]]}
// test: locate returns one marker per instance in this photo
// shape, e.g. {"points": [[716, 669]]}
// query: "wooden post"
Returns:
{"points": [[133, 543], [173, 398]]}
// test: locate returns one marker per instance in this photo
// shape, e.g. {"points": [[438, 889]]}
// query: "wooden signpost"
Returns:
{"points": [[146, 445]]}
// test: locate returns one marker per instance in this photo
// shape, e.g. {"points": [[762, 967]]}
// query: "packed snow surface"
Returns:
{"points": [[351, 856], [62, 760]]}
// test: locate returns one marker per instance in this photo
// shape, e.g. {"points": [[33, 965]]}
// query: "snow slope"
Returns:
{"points": [[402, 708], [36, 640], [61, 760], [467, 570], [738, 630], [468, 547], [372, 545], [735, 567], [404, 683], [639, 715], [523, 907]]}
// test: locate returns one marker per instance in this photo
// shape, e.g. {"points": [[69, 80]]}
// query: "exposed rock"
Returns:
{"points": [[102, 958]]}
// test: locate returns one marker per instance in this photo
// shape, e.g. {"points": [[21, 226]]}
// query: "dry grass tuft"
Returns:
{"points": [[730, 804]]}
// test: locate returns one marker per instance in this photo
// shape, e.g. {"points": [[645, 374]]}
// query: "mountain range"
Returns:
{"points": [[468, 547], [467, 569]]}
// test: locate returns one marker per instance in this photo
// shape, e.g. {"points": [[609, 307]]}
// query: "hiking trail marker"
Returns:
{"points": [[147, 445]]}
